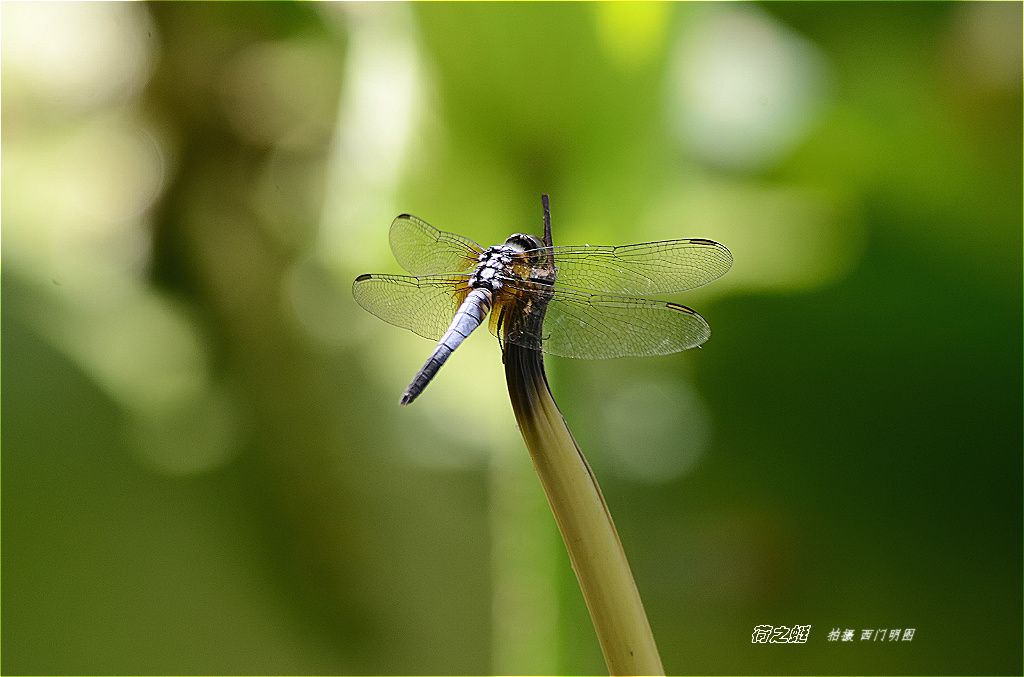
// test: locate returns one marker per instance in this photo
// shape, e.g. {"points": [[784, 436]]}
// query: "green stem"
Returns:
{"points": [[583, 518]]}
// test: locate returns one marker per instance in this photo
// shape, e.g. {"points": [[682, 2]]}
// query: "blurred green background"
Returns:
{"points": [[205, 467]]}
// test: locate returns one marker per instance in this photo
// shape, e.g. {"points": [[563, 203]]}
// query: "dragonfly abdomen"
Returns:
{"points": [[467, 318]]}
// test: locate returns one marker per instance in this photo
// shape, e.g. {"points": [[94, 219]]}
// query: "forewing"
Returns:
{"points": [[424, 250], [424, 305], [641, 269], [596, 326]]}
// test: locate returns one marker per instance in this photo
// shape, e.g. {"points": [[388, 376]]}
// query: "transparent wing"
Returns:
{"points": [[640, 269], [596, 326], [424, 305], [424, 250]]}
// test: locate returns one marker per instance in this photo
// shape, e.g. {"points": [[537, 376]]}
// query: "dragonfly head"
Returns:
{"points": [[525, 243], [531, 250]]}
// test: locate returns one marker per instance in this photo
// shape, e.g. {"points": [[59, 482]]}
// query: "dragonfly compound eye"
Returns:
{"points": [[523, 243]]}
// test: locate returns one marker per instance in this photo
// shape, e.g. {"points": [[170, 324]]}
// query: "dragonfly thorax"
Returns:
{"points": [[494, 263]]}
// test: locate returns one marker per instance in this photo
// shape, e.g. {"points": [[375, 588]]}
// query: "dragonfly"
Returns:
{"points": [[593, 308]]}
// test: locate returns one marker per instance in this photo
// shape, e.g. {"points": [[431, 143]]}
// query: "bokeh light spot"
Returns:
{"points": [[744, 89], [655, 431]]}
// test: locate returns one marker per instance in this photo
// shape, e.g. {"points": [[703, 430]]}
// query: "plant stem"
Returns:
{"points": [[576, 501]]}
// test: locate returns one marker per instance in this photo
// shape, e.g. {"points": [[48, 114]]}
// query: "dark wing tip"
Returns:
{"points": [[404, 216], [363, 277], [722, 250], [676, 306]]}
